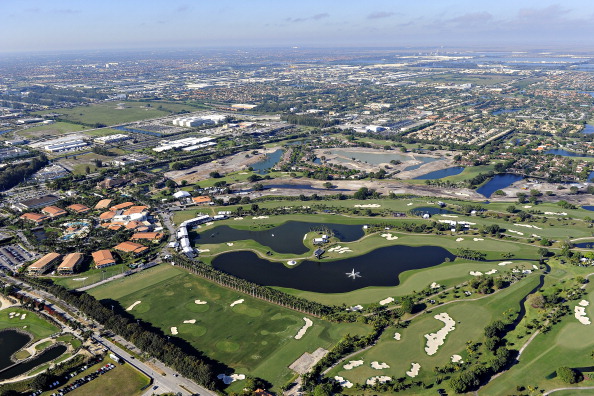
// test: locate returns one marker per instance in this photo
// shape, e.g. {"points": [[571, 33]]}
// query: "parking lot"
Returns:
{"points": [[13, 256]]}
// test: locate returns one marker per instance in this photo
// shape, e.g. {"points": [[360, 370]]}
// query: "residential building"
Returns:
{"points": [[53, 211], [44, 264], [131, 247], [70, 263], [103, 258]]}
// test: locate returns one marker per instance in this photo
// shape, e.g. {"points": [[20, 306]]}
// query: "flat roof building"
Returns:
{"points": [[36, 203]]}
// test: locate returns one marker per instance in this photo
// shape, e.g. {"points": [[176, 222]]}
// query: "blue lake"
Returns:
{"points": [[430, 210], [591, 208], [497, 183], [565, 153], [264, 166], [588, 129], [439, 174]]}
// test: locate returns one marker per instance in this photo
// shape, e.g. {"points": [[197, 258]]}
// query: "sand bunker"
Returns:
{"points": [[389, 237], [191, 321], [301, 332], [459, 239], [203, 250], [584, 303], [505, 263], [476, 273], [373, 380], [234, 303], [291, 262], [174, 331], [397, 336], [387, 301], [580, 314], [344, 383], [435, 285], [238, 218], [259, 217], [368, 206], [556, 214], [379, 366], [23, 316], [227, 379], [131, 307], [457, 359], [229, 243], [435, 340], [79, 279], [535, 266], [493, 271], [414, 371], [339, 249], [200, 302], [352, 364], [409, 204], [477, 239], [516, 232]]}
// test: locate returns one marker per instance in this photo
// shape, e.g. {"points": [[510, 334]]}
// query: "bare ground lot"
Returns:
{"points": [[225, 165]]}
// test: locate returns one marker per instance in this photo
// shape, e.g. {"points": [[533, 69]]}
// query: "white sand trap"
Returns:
{"points": [[203, 250], [477, 239], [238, 218], [409, 204], [79, 279], [476, 273], [291, 262], [389, 237], [397, 336], [435, 340], [229, 243], [382, 378], [344, 383], [505, 263], [580, 314], [368, 206], [191, 321], [131, 307], [527, 206], [447, 215], [459, 239], [23, 316], [516, 232], [259, 217], [493, 271], [457, 359], [227, 379], [234, 303], [435, 285], [584, 303], [200, 302], [301, 332], [174, 331], [535, 266], [379, 366], [352, 364], [387, 301], [355, 308], [209, 223], [414, 371]]}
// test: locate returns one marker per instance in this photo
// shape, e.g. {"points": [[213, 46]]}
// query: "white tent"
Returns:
{"points": [[181, 194]]}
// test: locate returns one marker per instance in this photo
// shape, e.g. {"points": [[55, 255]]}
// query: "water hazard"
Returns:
{"points": [[497, 183], [439, 174], [381, 267]]}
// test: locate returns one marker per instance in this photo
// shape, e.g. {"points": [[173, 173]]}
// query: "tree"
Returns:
{"points": [[569, 375], [407, 305], [537, 300], [323, 390], [214, 175], [542, 252]]}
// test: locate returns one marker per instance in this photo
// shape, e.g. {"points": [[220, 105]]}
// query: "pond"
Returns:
{"points": [[264, 166], [584, 245], [497, 183], [380, 267], [439, 174], [591, 208], [10, 342], [588, 129], [565, 153], [286, 238], [430, 210]]}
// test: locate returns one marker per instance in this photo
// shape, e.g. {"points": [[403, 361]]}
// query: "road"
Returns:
{"points": [[166, 383]]}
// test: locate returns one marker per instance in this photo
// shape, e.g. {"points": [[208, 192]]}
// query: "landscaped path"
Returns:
{"points": [[562, 389]]}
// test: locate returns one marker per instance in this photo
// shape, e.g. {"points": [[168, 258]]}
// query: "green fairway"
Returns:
{"points": [[470, 316], [260, 340], [39, 328], [50, 130]]}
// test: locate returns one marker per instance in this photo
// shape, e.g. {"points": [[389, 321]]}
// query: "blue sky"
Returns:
{"points": [[33, 25]]}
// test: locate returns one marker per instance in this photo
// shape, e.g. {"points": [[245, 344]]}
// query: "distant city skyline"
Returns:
{"points": [[36, 25]]}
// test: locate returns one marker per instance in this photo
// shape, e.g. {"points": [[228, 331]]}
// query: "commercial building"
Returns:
{"points": [[36, 203], [103, 258], [111, 139], [184, 143], [104, 203], [69, 145], [34, 217], [53, 211], [131, 247], [44, 264], [149, 236], [70, 263], [78, 208]]}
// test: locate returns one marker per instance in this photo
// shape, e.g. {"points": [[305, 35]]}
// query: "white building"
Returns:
{"points": [[111, 138], [69, 145]]}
